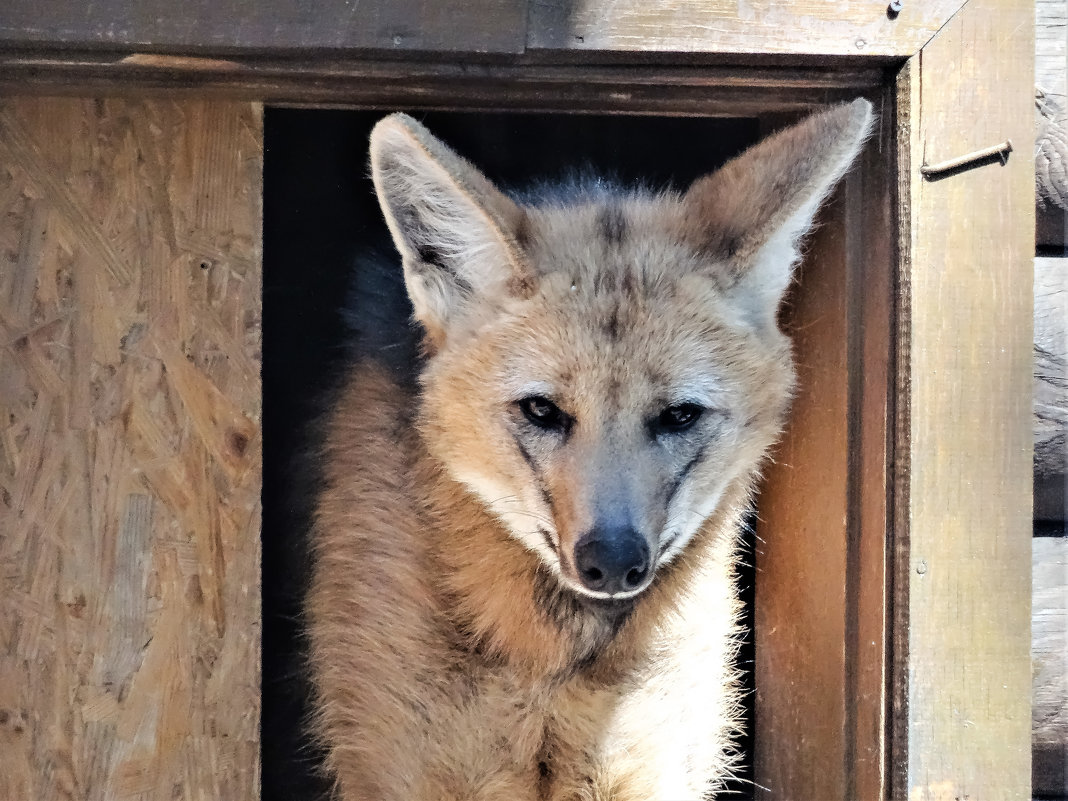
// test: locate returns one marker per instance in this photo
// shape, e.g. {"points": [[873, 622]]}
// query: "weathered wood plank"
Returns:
{"points": [[129, 449], [964, 453], [800, 606], [1051, 118], [1049, 656], [841, 27], [220, 26], [1050, 394], [659, 88], [1051, 45]]}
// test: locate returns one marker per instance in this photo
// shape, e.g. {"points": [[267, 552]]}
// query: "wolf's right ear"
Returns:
{"points": [[455, 231], [749, 216]]}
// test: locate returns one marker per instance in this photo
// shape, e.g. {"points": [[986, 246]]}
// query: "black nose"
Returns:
{"points": [[612, 560]]}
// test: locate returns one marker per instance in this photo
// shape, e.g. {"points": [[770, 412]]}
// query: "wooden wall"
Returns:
{"points": [[129, 449], [1049, 618]]}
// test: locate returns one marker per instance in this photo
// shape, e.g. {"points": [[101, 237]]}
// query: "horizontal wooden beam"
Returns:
{"points": [[422, 84]]}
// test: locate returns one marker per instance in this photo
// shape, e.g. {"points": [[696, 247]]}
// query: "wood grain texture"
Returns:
{"points": [[800, 606], [1051, 46], [820, 587], [1050, 394], [129, 449], [1049, 655], [1051, 122], [286, 27], [476, 26], [656, 88], [870, 243], [964, 503], [841, 27]]}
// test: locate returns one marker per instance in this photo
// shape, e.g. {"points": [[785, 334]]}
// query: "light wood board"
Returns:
{"points": [[964, 455], [838, 27]]}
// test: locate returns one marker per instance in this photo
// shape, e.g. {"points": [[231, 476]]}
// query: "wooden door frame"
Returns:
{"points": [[950, 715]]}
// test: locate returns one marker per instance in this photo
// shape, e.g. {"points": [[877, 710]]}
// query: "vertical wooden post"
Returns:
{"points": [[963, 507], [129, 449]]}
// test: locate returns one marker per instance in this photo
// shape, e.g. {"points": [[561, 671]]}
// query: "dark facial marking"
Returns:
{"points": [[549, 542], [604, 282], [540, 481], [523, 232], [676, 482], [613, 392], [666, 544], [612, 225], [611, 324], [545, 781], [526, 455]]}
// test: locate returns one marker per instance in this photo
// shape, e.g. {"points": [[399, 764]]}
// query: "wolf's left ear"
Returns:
{"points": [[455, 231], [749, 215]]}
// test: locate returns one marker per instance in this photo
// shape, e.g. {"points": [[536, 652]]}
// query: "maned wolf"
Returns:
{"points": [[523, 566]]}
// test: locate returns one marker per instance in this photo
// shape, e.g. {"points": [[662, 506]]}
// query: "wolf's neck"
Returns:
{"points": [[505, 603]]}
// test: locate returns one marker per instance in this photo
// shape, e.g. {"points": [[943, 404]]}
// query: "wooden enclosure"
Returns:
{"points": [[893, 591]]}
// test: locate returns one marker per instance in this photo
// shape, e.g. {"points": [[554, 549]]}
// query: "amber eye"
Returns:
{"points": [[677, 418], [543, 413]]}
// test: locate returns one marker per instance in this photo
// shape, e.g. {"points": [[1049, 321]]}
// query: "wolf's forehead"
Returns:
{"points": [[625, 337], [616, 238]]}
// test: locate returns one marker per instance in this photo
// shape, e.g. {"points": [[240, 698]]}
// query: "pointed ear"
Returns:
{"points": [[455, 231], [751, 213]]}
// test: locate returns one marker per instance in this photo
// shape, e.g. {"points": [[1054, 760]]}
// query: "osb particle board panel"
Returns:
{"points": [[963, 668], [129, 449], [838, 27]]}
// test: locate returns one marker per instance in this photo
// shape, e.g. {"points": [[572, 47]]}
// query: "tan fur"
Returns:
{"points": [[457, 655]]}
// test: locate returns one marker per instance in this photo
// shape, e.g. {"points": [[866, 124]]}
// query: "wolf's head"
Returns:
{"points": [[600, 371]]}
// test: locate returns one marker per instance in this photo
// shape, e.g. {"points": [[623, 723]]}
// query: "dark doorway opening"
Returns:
{"points": [[320, 213]]}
